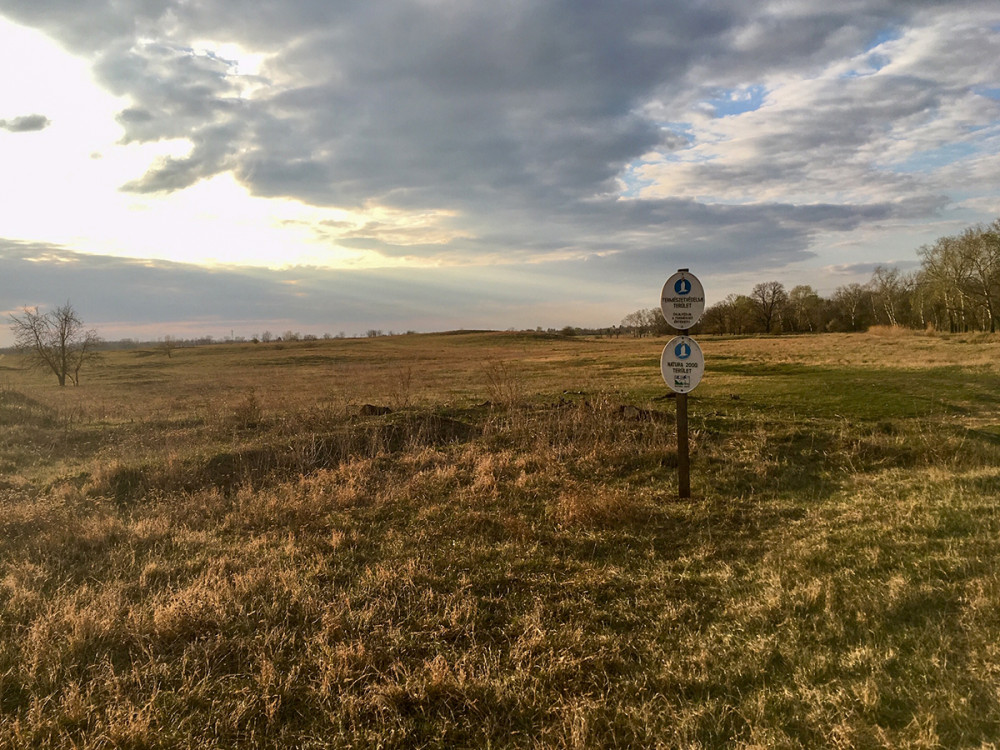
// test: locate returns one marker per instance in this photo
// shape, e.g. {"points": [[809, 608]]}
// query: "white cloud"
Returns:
{"points": [[738, 136], [855, 132]]}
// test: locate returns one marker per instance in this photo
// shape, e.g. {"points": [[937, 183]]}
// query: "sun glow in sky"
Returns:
{"points": [[62, 184], [490, 162]]}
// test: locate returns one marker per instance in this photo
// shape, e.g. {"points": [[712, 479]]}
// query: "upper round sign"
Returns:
{"points": [[682, 300]]}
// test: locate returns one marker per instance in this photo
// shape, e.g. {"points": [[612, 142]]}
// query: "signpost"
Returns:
{"points": [[682, 363]]}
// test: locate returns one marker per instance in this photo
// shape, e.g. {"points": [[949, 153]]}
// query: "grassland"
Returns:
{"points": [[219, 549]]}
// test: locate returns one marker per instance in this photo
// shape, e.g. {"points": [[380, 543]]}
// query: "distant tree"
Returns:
{"points": [[714, 319], [741, 313], [168, 345], [805, 310], [55, 341], [733, 315], [887, 288], [850, 306], [266, 336], [656, 324], [946, 273], [768, 299], [646, 322], [964, 272], [634, 323]]}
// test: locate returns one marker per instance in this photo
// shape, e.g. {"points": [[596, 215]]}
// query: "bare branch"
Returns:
{"points": [[55, 341]]}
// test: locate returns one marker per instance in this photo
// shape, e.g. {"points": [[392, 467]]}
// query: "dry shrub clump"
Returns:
{"points": [[894, 332]]}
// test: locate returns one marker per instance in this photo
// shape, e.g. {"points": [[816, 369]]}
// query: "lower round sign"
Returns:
{"points": [[682, 364]]}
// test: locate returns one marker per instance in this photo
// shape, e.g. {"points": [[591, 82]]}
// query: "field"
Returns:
{"points": [[223, 548]]}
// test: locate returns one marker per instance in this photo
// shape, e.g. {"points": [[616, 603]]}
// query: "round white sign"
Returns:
{"points": [[682, 300], [682, 364]]}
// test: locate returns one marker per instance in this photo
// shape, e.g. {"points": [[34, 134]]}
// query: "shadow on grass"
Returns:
{"points": [[264, 465], [19, 409]]}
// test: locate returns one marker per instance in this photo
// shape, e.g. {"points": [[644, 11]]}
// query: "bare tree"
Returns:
{"points": [[805, 309], [768, 300], [981, 248], [55, 341], [656, 324], [850, 302], [634, 322], [646, 322], [889, 288], [168, 345], [946, 271]]}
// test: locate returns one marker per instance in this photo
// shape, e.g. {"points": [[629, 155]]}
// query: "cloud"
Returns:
{"points": [[25, 124], [867, 269], [730, 134], [129, 298], [857, 136]]}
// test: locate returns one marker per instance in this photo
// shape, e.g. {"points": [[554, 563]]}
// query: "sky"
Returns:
{"points": [[212, 167]]}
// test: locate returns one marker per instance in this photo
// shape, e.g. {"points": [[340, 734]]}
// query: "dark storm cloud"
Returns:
{"points": [[25, 124]]}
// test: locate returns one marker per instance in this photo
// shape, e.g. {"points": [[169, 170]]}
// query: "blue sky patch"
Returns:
{"points": [[936, 158], [875, 60], [634, 185], [730, 102], [989, 93], [886, 35]]}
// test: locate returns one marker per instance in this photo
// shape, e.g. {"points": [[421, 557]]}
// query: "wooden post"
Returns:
{"points": [[683, 460]]}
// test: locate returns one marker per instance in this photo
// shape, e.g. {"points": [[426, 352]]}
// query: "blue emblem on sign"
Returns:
{"points": [[682, 350], [682, 286]]}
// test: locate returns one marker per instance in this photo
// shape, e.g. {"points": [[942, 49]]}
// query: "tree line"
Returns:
{"points": [[956, 289]]}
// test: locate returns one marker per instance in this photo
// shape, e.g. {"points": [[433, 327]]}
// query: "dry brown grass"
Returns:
{"points": [[218, 550]]}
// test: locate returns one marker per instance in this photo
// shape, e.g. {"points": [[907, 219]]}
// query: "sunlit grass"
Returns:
{"points": [[220, 549]]}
